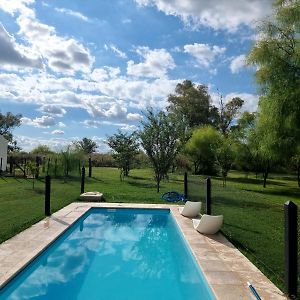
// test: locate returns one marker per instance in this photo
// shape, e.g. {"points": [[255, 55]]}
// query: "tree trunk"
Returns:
{"points": [[158, 183], [266, 173]]}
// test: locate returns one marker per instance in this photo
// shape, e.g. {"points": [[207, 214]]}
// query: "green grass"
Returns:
{"points": [[21, 206], [253, 215]]}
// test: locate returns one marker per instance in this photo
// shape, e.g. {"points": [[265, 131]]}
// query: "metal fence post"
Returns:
{"points": [[185, 185], [82, 179], [90, 167], [208, 196], [37, 163], [47, 195], [11, 165], [290, 248]]}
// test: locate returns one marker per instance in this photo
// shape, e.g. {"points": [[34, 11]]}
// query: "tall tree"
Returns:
{"points": [[225, 156], [86, 145], [227, 112], [191, 103], [276, 56], [125, 148], [42, 150], [8, 122], [161, 138], [202, 149]]}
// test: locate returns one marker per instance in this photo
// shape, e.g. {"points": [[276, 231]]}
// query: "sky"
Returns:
{"points": [[89, 68]]}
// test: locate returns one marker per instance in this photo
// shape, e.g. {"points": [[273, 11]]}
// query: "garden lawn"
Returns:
{"points": [[21, 206]]}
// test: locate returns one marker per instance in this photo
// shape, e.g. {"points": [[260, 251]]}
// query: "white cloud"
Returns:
{"points": [[72, 13], [57, 132], [204, 54], [91, 123], [14, 6], [250, 100], [114, 48], [97, 124], [13, 54], [156, 63], [134, 117], [128, 127], [237, 63], [109, 109], [126, 21], [62, 54], [61, 125], [27, 143], [226, 15], [42, 122], [52, 110]]}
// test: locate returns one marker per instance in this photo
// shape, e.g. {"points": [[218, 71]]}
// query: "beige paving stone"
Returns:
{"points": [[214, 265], [229, 292], [222, 277]]}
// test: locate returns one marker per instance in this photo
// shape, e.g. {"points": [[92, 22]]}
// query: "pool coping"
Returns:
{"points": [[225, 268]]}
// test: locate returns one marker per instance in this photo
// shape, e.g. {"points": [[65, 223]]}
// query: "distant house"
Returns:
{"points": [[3, 153]]}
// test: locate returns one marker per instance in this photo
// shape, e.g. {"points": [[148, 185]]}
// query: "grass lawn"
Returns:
{"points": [[253, 215], [21, 206]]}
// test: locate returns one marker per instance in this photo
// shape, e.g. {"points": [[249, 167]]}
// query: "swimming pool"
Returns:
{"points": [[114, 254]]}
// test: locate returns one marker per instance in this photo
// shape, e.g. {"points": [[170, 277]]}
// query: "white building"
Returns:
{"points": [[3, 153]]}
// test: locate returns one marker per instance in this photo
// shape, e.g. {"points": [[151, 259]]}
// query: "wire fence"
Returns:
{"points": [[251, 222]]}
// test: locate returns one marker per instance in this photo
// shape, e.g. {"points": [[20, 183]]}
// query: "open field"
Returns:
{"points": [[253, 215]]}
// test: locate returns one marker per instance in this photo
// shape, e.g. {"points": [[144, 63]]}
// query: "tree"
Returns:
{"points": [[86, 145], [8, 122], [225, 156], [191, 103], [276, 56], [42, 150], [161, 138], [295, 164], [202, 149], [227, 112], [245, 143], [33, 170], [125, 148]]}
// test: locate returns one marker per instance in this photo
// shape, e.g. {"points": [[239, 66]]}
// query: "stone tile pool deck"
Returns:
{"points": [[226, 269]]}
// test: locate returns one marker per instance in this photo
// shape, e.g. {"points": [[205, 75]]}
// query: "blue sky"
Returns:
{"points": [[78, 69]]}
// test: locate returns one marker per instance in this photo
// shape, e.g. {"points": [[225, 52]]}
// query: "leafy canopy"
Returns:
{"points": [[86, 145], [277, 58], [202, 147], [125, 148], [8, 122], [191, 103], [161, 138]]}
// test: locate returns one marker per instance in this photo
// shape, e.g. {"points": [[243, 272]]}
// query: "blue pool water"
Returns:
{"points": [[122, 254]]}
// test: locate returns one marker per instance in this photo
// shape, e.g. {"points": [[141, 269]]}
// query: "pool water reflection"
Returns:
{"points": [[114, 254]]}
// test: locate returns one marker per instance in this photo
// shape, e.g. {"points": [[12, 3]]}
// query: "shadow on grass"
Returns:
{"points": [[293, 193], [240, 203], [141, 184], [241, 228]]}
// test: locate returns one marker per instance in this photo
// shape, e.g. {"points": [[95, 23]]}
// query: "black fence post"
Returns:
{"points": [[90, 167], [208, 196], [185, 185], [290, 248], [11, 165], [82, 179], [37, 163], [47, 195]]}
